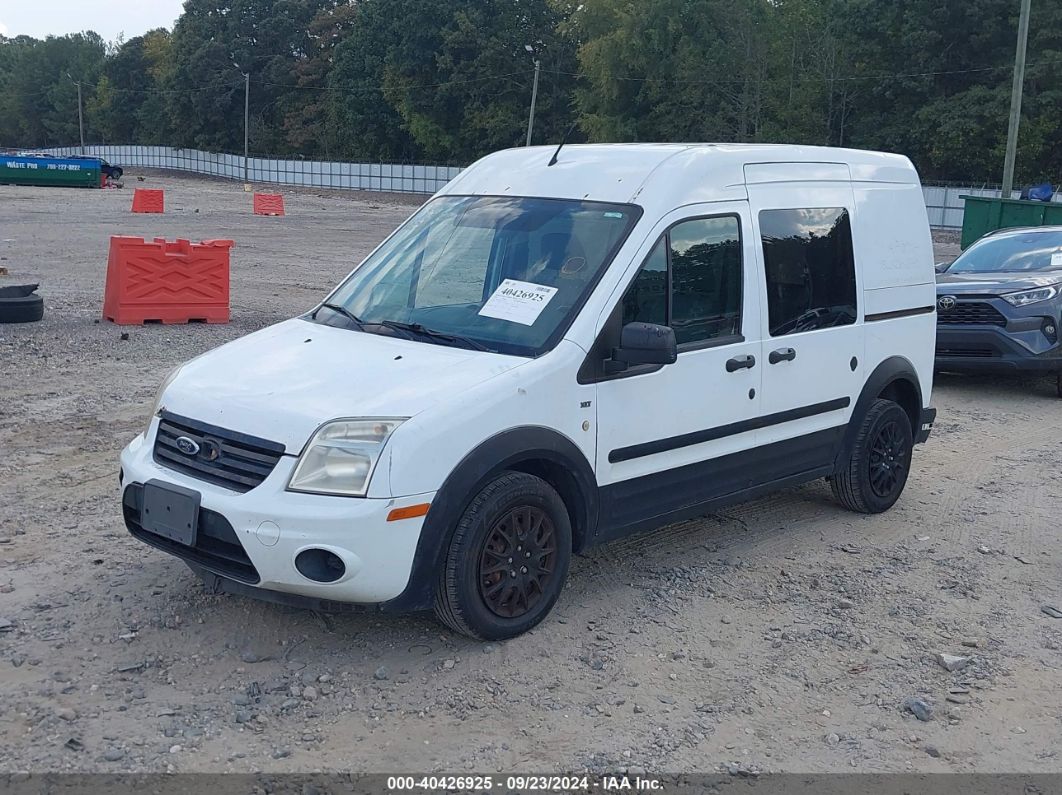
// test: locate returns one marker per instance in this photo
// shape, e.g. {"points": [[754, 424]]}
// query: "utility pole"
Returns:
{"points": [[1015, 99], [246, 120], [534, 95], [80, 120], [80, 117]]}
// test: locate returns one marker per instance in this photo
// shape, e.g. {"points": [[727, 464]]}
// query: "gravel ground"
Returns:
{"points": [[782, 635]]}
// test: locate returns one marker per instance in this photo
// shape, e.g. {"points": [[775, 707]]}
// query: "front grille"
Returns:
{"points": [[217, 547], [971, 313], [966, 353], [240, 462]]}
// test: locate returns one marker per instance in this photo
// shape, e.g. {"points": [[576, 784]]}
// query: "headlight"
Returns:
{"points": [[1026, 297], [162, 390], [341, 456]]}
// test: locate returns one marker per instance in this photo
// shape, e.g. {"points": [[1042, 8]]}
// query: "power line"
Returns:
{"points": [[825, 79]]}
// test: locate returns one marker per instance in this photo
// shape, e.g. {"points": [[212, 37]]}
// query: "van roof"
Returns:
{"points": [[676, 174]]}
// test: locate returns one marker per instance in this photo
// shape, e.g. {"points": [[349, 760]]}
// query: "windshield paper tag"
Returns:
{"points": [[1056, 260], [518, 302]]}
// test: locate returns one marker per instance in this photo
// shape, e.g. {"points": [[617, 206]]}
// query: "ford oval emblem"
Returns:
{"points": [[187, 446]]}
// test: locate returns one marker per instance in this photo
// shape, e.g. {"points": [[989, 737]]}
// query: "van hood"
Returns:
{"points": [[283, 382], [997, 283]]}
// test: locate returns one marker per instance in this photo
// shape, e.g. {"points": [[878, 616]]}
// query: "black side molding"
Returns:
{"points": [[920, 310], [722, 431]]}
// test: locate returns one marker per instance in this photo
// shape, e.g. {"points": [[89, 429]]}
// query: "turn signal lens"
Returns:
{"points": [[410, 512]]}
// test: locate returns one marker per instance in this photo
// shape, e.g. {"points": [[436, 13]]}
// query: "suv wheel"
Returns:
{"points": [[874, 476], [507, 560]]}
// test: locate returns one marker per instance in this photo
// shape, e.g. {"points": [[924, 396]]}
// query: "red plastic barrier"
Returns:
{"points": [[148, 200], [268, 204], [163, 282]]}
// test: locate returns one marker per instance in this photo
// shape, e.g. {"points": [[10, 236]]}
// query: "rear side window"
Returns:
{"points": [[691, 281], [810, 269]]}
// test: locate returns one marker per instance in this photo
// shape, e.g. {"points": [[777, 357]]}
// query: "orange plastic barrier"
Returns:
{"points": [[148, 200], [163, 282], [268, 204]]}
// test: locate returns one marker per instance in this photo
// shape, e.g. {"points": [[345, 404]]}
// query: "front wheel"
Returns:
{"points": [[507, 561], [873, 477]]}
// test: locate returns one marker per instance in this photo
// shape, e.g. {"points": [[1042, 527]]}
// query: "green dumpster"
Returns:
{"points": [[50, 171], [984, 214]]}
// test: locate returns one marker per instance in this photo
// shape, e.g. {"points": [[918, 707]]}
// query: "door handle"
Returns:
{"points": [[740, 363], [782, 355]]}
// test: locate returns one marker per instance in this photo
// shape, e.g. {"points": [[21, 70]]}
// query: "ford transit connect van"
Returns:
{"points": [[558, 349]]}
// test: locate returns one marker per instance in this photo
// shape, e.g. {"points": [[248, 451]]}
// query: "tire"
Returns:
{"points": [[474, 595], [872, 479], [1058, 383], [21, 309]]}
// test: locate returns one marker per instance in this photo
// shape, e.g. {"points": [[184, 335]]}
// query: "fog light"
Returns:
{"points": [[1050, 330], [320, 565]]}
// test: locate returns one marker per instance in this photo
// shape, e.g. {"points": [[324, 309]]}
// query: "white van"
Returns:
{"points": [[560, 348]]}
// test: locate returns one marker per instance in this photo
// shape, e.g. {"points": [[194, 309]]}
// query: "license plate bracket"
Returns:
{"points": [[171, 512]]}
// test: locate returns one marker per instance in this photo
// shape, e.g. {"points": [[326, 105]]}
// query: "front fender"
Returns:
{"points": [[506, 450]]}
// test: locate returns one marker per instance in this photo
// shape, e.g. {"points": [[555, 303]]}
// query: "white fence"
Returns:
{"points": [[943, 202], [387, 177]]}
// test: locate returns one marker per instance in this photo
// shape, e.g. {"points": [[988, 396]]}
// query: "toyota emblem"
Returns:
{"points": [[946, 303]]}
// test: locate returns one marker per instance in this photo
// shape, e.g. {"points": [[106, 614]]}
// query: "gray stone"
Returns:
{"points": [[918, 708], [952, 662], [114, 755], [381, 673]]}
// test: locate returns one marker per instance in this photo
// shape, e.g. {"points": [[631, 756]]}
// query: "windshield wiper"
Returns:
{"points": [[417, 329], [341, 310]]}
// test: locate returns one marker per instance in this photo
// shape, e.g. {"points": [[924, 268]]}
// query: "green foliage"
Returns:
{"points": [[449, 80]]}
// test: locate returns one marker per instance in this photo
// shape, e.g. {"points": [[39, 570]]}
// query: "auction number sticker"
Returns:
{"points": [[1056, 259], [518, 302]]}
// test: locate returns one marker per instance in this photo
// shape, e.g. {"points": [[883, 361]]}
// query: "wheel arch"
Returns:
{"points": [[535, 450], [894, 379]]}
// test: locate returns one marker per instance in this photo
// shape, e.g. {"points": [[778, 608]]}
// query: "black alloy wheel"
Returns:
{"points": [[889, 454], [519, 561]]}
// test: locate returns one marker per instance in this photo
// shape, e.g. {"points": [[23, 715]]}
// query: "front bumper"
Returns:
{"points": [[991, 349], [252, 538], [1017, 343]]}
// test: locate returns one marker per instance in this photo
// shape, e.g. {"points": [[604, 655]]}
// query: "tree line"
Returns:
{"points": [[446, 81]]}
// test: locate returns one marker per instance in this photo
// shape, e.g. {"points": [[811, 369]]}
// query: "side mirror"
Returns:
{"points": [[643, 343], [940, 267]]}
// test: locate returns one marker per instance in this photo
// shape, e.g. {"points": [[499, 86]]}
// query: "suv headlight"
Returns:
{"points": [[1026, 297], [162, 390], [341, 457]]}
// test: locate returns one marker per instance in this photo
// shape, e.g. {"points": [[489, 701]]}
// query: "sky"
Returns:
{"points": [[109, 18]]}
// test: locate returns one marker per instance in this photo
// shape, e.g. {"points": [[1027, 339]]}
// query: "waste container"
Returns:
{"points": [[984, 214], [51, 171]]}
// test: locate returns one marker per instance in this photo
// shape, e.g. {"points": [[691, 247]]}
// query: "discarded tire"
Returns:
{"points": [[19, 304]]}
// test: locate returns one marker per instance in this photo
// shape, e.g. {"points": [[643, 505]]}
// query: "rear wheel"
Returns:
{"points": [[875, 474], [507, 561]]}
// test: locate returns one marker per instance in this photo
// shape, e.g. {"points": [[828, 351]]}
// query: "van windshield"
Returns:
{"points": [[1015, 253], [495, 273]]}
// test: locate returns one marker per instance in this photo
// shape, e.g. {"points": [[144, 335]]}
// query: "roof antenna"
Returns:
{"points": [[564, 140]]}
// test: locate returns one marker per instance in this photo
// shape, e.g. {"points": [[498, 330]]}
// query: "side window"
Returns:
{"points": [[646, 298], [810, 269], [691, 281]]}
